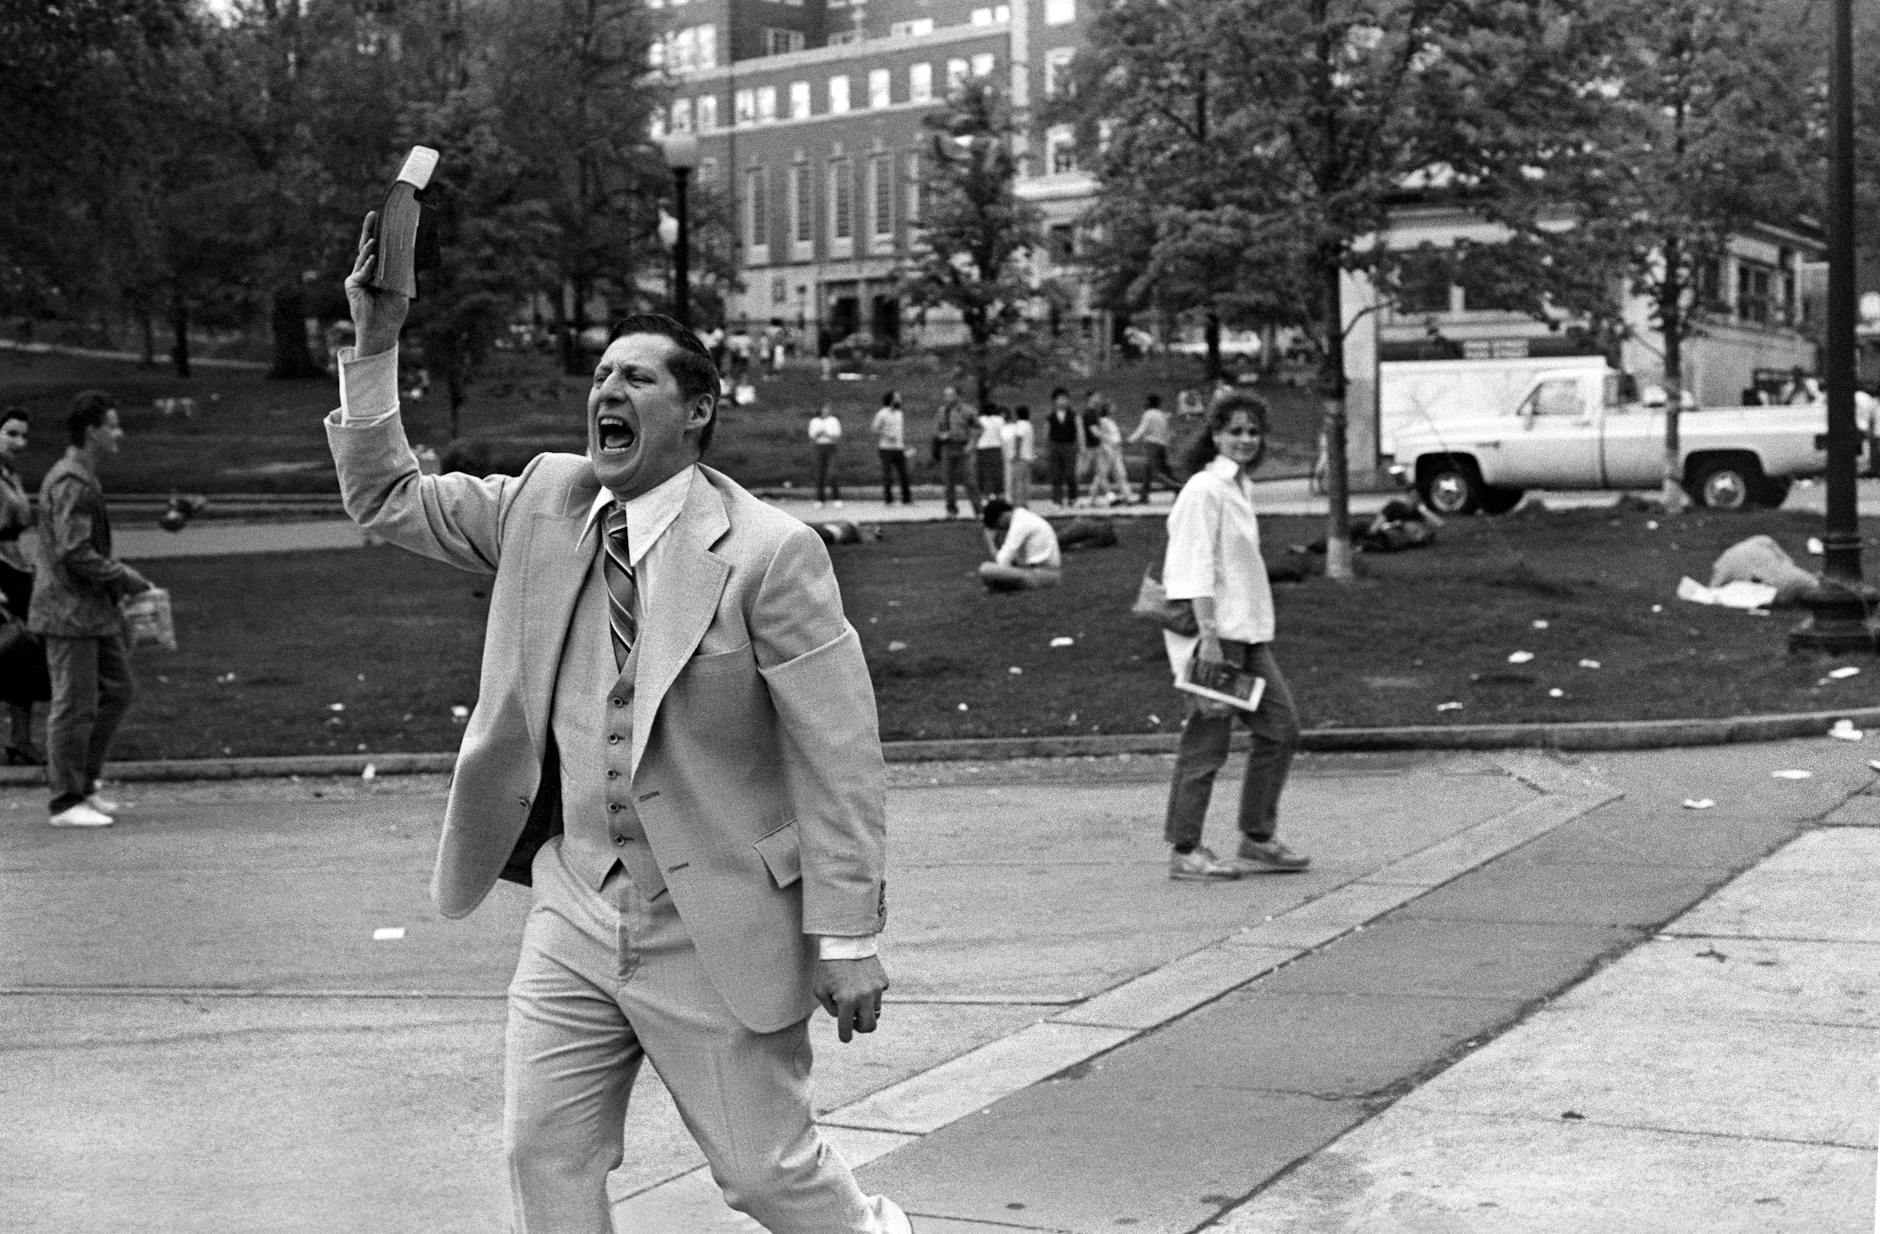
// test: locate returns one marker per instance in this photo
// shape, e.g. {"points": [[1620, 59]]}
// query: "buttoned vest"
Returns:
{"points": [[593, 726]]}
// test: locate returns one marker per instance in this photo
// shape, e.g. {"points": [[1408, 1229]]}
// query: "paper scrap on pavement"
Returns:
{"points": [[1698, 803], [388, 934], [370, 773], [1792, 773], [1845, 731], [1063, 641], [1449, 706], [1741, 594], [1540, 625], [1520, 657], [1589, 663]]}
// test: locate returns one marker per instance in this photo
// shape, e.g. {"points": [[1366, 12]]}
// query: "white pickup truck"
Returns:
{"points": [[1572, 431]]}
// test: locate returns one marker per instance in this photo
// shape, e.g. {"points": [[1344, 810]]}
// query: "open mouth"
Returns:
{"points": [[616, 435]]}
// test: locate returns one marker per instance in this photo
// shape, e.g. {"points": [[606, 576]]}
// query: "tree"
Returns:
{"points": [[975, 236], [1708, 118], [1268, 140]]}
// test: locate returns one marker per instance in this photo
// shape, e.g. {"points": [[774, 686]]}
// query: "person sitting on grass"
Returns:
{"points": [[1028, 558]]}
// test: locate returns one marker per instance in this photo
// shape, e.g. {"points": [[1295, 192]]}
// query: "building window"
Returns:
{"points": [[841, 38], [744, 107], [957, 71], [802, 214], [1057, 71], [841, 200], [1060, 12], [983, 64], [756, 209], [766, 104], [782, 42], [707, 113], [912, 211], [982, 17], [839, 94], [682, 115], [878, 88], [707, 170], [1423, 282], [1060, 150], [1754, 287], [920, 83], [1483, 293], [910, 29], [656, 124], [707, 46], [799, 100], [880, 197]]}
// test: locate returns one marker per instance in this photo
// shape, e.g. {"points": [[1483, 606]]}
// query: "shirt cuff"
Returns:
{"points": [[836, 947], [368, 388]]}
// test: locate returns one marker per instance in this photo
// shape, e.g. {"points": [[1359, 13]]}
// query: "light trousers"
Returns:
{"points": [[92, 688], [606, 979]]}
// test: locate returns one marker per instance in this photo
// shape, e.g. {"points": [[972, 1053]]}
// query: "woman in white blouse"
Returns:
{"points": [[1214, 561]]}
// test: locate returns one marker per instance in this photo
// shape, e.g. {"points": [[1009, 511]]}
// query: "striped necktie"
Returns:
{"points": [[618, 570]]}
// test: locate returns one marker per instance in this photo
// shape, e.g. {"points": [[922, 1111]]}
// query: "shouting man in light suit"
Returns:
{"points": [[675, 744]]}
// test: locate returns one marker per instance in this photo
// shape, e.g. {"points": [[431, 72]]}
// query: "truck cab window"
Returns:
{"points": [[1554, 398]]}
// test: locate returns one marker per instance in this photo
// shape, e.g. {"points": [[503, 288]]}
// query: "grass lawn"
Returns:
{"points": [[395, 640], [253, 435]]}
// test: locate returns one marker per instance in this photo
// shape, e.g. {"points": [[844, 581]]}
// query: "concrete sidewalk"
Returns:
{"points": [[210, 1026]]}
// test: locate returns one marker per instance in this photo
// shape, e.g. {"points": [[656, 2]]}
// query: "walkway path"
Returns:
{"points": [[237, 1011]]}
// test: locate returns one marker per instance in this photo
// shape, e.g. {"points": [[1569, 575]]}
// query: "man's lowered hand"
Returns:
{"points": [[850, 990]]}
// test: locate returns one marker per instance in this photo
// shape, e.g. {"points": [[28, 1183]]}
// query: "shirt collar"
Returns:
{"points": [[649, 514], [1229, 472]]}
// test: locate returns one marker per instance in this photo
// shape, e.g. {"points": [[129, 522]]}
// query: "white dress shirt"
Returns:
{"points": [[1030, 542]]}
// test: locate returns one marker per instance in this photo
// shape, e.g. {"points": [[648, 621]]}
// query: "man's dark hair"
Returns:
{"points": [[887, 400], [995, 509], [1060, 392], [690, 364], [1153, 400], [1201, 450], [10, 414], [1023, 412], [89, 408]]}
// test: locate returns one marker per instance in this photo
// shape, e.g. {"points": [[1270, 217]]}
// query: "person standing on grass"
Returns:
{"points": [[1213, 560], [1018, 450], [890, 427], [989, 453], [1153, 432], [675, 744], [953, 431], [1061, 448], [1024, 548], [825, 435], [1089, 438], [16, 573], [1109, 484], [75, 609]]}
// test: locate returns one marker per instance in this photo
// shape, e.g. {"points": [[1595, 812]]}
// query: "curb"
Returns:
{"points": [[1592, 735]]}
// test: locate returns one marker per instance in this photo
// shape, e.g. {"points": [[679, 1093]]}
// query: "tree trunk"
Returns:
{"points": [[1672, 317], [179, 330], [148, 322], [1211, 334], [287, 326], [577, 324], [1338, 553]]}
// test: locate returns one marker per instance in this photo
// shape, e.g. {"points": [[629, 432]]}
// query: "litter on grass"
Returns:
{"points": [[1449, 706], [1698, 803], [1556, 692], [460, 712], [1063, 641], [1741, 594], [388, 934], [1844, 730], [897, 645], [1793, 773], [1843, 673], [1540, 625], [1589, 663], [1520, 657]]}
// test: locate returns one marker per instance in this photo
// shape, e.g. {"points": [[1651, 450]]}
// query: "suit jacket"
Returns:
{"points": [[756, 758]]}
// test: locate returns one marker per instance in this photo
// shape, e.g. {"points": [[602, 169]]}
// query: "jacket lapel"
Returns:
{"points": [[685, 599], [559, 555]]}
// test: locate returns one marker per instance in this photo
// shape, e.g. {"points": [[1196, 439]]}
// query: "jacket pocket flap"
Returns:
{"points": [[782, 854]]}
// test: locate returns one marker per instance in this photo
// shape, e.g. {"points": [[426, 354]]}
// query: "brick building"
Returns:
{"points": [[808, 115]]}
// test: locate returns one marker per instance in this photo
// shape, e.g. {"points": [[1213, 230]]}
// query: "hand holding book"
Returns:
{"points": [[384, 280]]}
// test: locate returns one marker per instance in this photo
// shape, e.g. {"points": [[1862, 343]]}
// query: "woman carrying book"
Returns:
{"points": [[1214, 561]]}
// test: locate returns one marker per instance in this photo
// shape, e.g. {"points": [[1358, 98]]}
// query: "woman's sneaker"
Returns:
{"points": [[81, 815], [1266, 857], [1201, 865]]}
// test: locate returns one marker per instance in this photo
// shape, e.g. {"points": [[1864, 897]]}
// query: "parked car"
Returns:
{"points": [[1572, 430]]}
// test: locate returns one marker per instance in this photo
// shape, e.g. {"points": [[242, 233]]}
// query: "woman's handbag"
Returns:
{"points": [[1153, 606]]}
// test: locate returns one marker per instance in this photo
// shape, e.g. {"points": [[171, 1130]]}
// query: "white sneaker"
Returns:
{"points": [[81, 815], [104, 805]]}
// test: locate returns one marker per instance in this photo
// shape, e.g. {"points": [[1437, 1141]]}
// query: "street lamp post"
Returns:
{"points": [[682, 156], [1839, 618]]}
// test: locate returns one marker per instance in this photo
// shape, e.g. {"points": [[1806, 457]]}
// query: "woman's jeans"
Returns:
{"points": [[1203, 750]]}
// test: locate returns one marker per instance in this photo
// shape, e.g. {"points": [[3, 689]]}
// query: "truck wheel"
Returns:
{"points": [[1727, 483], [1497, 500], [1451, 486]]}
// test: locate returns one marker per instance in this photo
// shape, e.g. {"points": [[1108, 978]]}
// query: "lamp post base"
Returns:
{"points": [[1840, 620]]}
